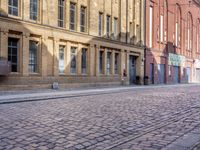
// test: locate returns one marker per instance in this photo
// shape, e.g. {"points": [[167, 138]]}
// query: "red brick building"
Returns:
{"points": [[172, 41]]}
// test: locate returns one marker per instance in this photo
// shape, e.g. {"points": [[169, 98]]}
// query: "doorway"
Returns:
{"points": [[132, 69]]}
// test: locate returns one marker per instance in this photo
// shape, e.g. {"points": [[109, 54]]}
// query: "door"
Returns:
{"points": [[188, 72], [198, 75], [176, 74], [151, 75], [132, 69], [161, 74]]}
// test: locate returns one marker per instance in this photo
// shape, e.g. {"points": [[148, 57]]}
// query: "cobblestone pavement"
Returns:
{"points": [[158, 118]]}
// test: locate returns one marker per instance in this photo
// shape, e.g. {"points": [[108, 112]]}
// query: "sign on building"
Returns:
{"points": [[176, 60]]}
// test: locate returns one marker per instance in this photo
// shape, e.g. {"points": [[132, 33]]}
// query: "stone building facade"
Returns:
{"points": [[172, 41], [72, 42]]}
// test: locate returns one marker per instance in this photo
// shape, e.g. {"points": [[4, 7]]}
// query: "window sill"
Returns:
{"points": [[62, 74], [34, 74], [14, 17]]}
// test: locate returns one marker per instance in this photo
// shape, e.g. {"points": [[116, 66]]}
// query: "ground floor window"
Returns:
{"points": [[116, 63], [61, 59], [73, 60], [84, 61], [101, 62], [33, 48], [108, 65], [13, 53]]}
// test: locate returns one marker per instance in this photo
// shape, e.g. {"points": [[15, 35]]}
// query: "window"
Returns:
{"points": [[13, 7], [72, 16], [161, 28], [13, 53], [115, 27], [108, 65], [151, 26], [178, 26], [101, 62], [33, 9], [198, 35], [116, 63], [73, 60], [61, 59], [84, 61], [100, 23], [108, 25], [61, 13], [189, 31], [33, 56], [83, 19]]}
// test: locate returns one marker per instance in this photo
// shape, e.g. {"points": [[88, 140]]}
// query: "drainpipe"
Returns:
{"points": [[145, 49], [126, 21]]}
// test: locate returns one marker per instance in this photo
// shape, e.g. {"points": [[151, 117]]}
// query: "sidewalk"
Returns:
{"points": [[38, 95]]}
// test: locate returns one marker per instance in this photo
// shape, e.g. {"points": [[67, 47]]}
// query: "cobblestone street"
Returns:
{"points": [[139, 118]]}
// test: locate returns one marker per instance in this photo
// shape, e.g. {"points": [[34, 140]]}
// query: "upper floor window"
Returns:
{"points": [[13, 53], [13, 7], [33, 9], [115, 27], [161, 28], [108, 23], [150, 26], [33, 54], [100, 24], [177, 26], [61, 13], [83, 19], [72, 16], [189, 31], [198, 35]]}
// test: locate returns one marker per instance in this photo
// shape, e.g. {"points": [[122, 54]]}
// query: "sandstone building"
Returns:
{"points": [[72, 42], [172, 41]]}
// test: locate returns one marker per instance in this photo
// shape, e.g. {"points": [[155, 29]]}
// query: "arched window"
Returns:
{"points": [[198, 35], [178, 26], [189, 31]]}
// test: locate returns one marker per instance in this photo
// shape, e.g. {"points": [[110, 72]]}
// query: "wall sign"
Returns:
{"points": [[176, 60]]}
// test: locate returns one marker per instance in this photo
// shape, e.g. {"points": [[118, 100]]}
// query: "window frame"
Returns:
{"points": [[73, 58], [12, 7], [34, 14], [108, 25], [100, 25], [61, 13], [10, 54], [84, 60], [83, 19], [61, 67], [72, 25], [33, 58]]}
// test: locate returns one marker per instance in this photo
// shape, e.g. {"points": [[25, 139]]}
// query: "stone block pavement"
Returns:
{"points": [[131, 118]]}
